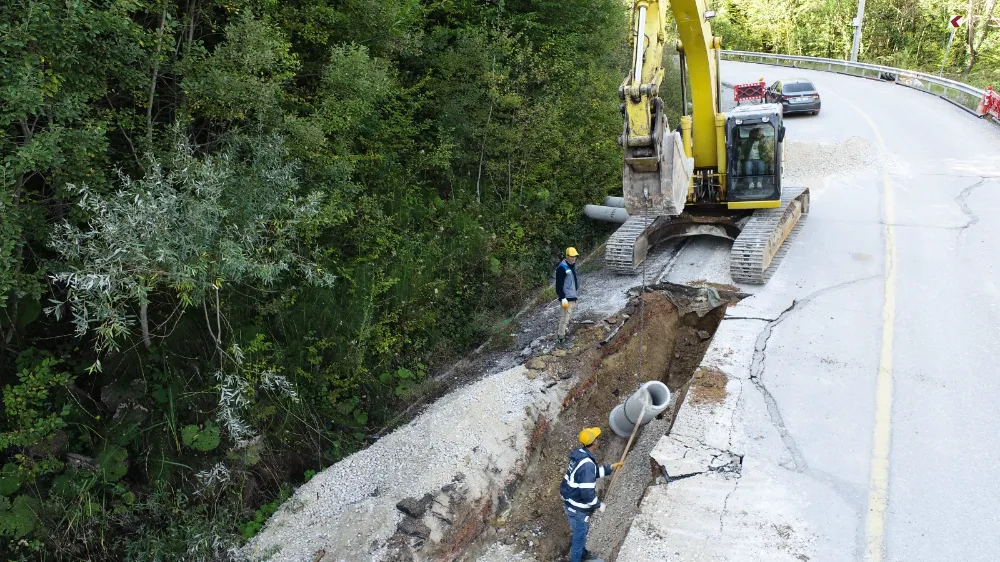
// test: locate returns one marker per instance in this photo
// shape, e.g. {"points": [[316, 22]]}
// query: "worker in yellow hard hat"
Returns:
{"points": [[579, 490], [567, 286]]}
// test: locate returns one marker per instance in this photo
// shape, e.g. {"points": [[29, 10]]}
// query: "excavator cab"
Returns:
{"points": [[754, 135]]}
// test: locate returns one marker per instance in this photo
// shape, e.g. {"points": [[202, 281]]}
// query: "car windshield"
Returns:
{"points": [[796, 87]]}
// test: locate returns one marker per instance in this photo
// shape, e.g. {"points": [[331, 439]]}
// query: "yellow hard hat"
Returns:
{"points": [[588, 435], [571, 252]]}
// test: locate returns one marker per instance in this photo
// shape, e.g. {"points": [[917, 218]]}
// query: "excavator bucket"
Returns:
{"points": [[655, 186]]}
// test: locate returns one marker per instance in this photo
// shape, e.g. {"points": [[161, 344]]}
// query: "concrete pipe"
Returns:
{"points": [[625, 416], [614, 202], [608, 214]]}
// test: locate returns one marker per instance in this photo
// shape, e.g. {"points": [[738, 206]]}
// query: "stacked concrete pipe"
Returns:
{"points": [[625, 416], [613, 210]]}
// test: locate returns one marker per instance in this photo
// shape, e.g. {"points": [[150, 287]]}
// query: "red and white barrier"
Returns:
{"points": [[990, 104], [753, 91]]}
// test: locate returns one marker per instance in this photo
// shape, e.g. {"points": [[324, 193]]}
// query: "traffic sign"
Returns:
{"points": [[956, 21]]}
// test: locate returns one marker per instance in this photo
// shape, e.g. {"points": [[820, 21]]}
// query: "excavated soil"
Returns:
{"points": [[653, 342], [708, 386]]}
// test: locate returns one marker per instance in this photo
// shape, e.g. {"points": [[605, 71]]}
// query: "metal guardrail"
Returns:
{"points": [[963, 95]]}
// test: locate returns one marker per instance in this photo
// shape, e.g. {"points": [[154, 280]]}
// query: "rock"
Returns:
{"points": [[531, 375], [565, 375], [526, 351], [703, 335], [536, 364], [612, 319], [414, 528], [414, 507], [550, 384], [559, 353]]}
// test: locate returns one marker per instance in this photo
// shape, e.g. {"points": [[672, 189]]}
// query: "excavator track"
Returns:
{"points": [[626, 248], [759, 248]]}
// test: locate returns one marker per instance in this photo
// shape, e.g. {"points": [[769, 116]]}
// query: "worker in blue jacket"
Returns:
{"points": [[579, 490], [567, 286]]}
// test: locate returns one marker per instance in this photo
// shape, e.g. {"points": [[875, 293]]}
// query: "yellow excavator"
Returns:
{"points": [[718, 174]]}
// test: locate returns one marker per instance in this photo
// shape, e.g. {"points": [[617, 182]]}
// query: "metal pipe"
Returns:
{"points": [[640, 37], [684, 94], [625, 416], [614, 202], [607, 214]]}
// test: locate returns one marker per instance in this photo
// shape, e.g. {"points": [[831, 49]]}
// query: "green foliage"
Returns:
{"points": [[238, 236], [30, 404], [17, 517], [111, 463], [252, 527], [902, 33], [202, 439], [10, 479]]}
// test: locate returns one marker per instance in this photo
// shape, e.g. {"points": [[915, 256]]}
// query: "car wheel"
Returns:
{"points": [[815, 112]]}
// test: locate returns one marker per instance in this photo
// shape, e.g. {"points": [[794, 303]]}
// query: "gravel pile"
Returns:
{"points": [[473, 440], [807, 160]]}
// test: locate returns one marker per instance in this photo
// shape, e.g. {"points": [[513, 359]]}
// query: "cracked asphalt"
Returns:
{"points": [[816, 362], [817, 398]]}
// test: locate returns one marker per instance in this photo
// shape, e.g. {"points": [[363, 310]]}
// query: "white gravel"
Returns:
{"points": [[499, 552], [348, 511], [809, 163]]}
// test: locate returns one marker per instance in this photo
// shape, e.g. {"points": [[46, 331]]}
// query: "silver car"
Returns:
{"points": [[794, 95]]}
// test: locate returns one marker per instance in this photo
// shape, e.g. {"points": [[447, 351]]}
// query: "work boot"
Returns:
{"points": [[587, 555], [566, 343]]}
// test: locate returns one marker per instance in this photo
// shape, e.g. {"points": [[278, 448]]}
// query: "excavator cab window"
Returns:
{"points": [[753, 162]]}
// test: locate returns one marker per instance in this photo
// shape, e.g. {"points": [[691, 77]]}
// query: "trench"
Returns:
{"points": [[654, 341]]}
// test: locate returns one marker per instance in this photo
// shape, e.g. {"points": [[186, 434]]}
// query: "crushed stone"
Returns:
{"points": [[475, 436], [499, 552]]}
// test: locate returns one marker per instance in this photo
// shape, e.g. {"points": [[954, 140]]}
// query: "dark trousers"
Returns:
{"points": [[580, 524]]}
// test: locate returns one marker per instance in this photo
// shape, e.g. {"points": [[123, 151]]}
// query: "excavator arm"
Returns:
{"points": [[675, 182], [646, 139]]}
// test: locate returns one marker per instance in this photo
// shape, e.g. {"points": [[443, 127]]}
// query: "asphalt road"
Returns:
{"points": [[884, 370]]}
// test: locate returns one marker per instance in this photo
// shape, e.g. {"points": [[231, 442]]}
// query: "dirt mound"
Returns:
{"points": [[708, 386]]}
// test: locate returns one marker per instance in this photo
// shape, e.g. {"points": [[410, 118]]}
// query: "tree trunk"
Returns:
{"points": [[144, 323], [972, 36], [987, 18], [482, 152], [156, 71]]}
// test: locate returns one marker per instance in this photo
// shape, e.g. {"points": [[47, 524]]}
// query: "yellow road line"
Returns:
{"points": [[878, 482]]}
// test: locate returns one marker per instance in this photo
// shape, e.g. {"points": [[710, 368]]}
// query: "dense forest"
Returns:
{"points": [[909, 34], [237, 236]]}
